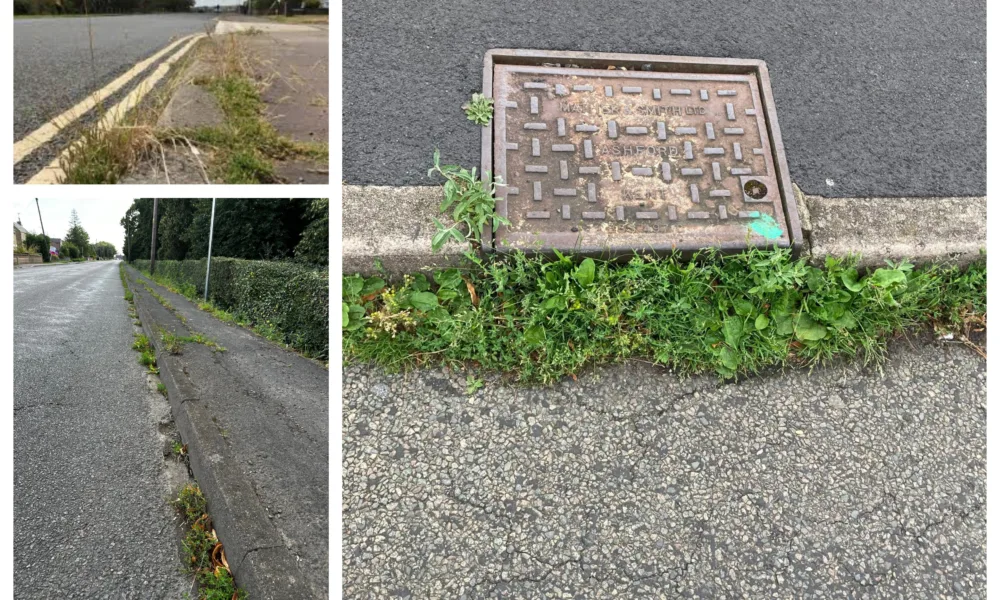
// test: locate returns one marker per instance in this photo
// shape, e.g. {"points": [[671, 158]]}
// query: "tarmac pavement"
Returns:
{"points": [[841, 482], [255, 418], [91, 486]]}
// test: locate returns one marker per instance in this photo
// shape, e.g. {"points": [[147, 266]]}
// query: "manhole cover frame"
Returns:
{"points": [[656, 63]]}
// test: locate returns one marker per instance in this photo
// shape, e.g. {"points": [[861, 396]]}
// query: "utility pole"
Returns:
{"points": [[208, 265], [40, 215], [152, 244]]}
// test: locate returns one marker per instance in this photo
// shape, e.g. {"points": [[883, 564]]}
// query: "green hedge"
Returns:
{"points": [[289, 299]]}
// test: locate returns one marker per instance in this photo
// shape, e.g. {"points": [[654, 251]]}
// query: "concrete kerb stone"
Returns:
{"points": [[392, 227], [261, 563], [388, 229], [950, 231]]}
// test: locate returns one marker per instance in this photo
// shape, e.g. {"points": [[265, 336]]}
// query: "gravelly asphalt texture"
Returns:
{"points": [[52, 64], [91, 518], [840, 483], [271, 406], [884, 99]]}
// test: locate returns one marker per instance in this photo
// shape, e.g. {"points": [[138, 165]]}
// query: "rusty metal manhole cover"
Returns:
{"points": [[667, 153]]}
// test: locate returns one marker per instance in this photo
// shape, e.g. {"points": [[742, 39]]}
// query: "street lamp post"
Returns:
{"points": [[208, 265]]}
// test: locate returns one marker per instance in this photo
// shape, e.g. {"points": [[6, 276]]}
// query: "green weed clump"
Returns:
{"points": [[204, 554], [736, 315]]}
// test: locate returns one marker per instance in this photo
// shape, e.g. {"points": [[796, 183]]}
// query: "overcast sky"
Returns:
{"points": [[99, 217]]}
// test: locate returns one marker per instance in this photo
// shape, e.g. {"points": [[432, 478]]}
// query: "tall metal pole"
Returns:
{"points": [[40, 215], [152, 244], [208, 265]]}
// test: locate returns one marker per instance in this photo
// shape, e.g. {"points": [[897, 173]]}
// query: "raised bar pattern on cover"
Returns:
{"points": [[710, 131], [616, 171], [594, 215], [565, 211], [620, 213], [688, 151], [535, 85], [656, 94], [720, 193], [591, 192], [732, 130], [631, 89], [536, 147], [665, 171], [636, 130], [737, 151], [695, 197], [563, 169], [563, 148], [561, 127], [661, 130], [586, 128], [538, 190], [536, 168], [647, 214], [536, 126], [730, 112], [538, 214], [715, 150], [589, 170], [685, 130], [564, 191], [642, 171], [697, 214], [612, 129], [588, 149], [691, 171], [716, 171], [534, 105], [680, 92]]}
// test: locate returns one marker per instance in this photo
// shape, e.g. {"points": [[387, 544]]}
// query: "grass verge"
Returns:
{"points": [[539, 320], [204, 555]]}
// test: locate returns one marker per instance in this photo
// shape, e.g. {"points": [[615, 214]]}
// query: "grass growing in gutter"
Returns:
{"points": [[245, 145], [204, 554], [540, 320], [175, 343]]}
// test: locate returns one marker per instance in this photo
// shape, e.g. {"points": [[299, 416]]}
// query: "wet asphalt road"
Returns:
{"points": [[90, 486], [881, 98], [52, 60]]}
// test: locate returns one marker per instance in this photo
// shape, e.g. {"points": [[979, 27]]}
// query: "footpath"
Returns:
{"points": [[255, 420]]}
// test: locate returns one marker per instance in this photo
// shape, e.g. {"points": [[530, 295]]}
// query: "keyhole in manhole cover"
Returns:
{"points": [[755, 189]]}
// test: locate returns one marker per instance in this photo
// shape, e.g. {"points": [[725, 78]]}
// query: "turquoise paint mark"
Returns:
{"points": [[767, 227]]}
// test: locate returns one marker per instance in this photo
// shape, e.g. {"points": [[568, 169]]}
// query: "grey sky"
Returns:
{"points": [[99, 217]]}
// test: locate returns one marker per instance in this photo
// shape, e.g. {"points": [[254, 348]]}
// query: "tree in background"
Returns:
{"points": [[70, 250], [39, 243], [104, 250], [77, 235], [250, 228], [67, 7], [314, 247]]}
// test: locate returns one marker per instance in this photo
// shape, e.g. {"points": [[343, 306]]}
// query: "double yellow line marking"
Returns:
{"points": [[52, 173]]}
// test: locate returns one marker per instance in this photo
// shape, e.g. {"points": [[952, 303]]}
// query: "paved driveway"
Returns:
{"points": [[839, 483]]}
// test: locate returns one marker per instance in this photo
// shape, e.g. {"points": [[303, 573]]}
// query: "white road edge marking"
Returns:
{"points": [[46, 132], [53, 173]]}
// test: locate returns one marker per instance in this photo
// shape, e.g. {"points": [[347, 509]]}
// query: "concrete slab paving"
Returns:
{"points": [[841, 482]]}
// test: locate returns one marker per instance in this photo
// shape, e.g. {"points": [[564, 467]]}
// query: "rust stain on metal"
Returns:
{"points": [[608, 161]]}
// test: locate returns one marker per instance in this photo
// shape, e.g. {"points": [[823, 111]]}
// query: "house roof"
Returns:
{"points": [[20, 227]]}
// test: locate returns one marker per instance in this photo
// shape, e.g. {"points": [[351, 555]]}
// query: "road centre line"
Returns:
{"points": [[52, 173], [49, 130]]}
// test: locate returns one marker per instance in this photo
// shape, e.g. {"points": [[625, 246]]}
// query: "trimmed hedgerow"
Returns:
{"points": [[286, 301]]}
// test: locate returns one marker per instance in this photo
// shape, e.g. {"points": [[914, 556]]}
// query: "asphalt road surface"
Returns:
{"points": [[836, 483], [53, 69], [879, 98], [91, 518]]}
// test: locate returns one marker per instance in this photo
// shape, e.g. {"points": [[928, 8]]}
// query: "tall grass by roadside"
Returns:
{"points": [[736, 315]]}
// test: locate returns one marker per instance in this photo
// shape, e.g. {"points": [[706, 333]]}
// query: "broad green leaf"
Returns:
{"points": [[356, 317], [887, 277], [372, 285], [809, 330], [534, 335], [424, 301], [346, 315], [850, 280], [732, 329], [584, 274], [445, 294], [845, 321], [420, 283], [743, 307], [555, 303], [761, 322], [353, 286], [730, 358], [449, 278]]}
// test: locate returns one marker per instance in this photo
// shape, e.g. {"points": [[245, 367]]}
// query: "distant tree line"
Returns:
{"points": [[251, 228], [76, 243], [74, 7]]}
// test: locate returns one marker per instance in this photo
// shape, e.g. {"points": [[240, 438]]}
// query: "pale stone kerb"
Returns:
{"points": [[921, 230], [393, 226]]}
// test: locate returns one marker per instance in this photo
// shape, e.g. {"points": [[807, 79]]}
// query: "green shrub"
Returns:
{"points": [[288, 300], [40, 243]]}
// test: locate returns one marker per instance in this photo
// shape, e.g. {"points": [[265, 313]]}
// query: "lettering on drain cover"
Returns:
{"points": [[660, 150]]}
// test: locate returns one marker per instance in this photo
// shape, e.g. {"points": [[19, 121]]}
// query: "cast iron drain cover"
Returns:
{"points": [[665, 153]]}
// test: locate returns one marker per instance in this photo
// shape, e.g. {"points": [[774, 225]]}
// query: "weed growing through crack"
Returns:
{"points": [[479, 110], [175, 343], [470, 201], [161, 388], [204, 554], [543, 319]]}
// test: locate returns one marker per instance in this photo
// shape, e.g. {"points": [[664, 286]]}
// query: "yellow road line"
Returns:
{"points": [[53, 173], [46, 132]]}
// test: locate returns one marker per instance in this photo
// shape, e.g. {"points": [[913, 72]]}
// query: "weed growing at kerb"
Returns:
{"points": [[479, 110], [543, 319]]}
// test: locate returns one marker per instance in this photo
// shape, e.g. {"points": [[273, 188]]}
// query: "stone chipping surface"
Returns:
{"points": [[840, 482]]}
